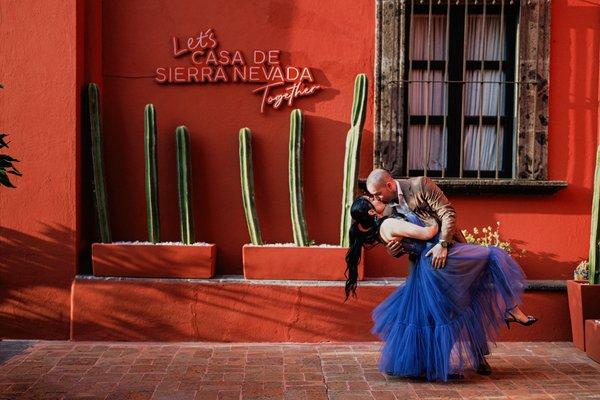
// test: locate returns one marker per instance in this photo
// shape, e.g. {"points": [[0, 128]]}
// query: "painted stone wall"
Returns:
{"points": [[42, 222], [336, 40], [41, 69]]}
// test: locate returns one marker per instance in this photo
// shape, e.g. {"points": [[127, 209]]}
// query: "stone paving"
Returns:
{"points": [[107, 370]]}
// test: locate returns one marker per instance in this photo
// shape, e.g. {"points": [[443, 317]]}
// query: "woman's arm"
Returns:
{"points": [[399, 228]]}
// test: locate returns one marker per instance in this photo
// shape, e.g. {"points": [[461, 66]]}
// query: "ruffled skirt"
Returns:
{"points": [[441, 321]]}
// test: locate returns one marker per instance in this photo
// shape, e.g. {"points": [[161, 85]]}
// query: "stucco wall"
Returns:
{"points": [[335, 39], [39, 108], [42, 68]]}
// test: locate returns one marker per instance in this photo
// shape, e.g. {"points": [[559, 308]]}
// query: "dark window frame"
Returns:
{"points": [[530, 149], [455, 73]]}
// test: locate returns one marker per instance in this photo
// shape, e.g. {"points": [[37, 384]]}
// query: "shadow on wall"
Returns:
{"points": [[574, 74], [167, 310], [120, 310], [541, 261], [36, 273], [215, 113]]}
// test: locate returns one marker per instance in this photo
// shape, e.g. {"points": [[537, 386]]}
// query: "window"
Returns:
{"points": [[461, 88]]}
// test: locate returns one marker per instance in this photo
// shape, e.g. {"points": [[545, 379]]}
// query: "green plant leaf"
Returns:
{"points": [[14, 171], [6, 161], [4, 181]]}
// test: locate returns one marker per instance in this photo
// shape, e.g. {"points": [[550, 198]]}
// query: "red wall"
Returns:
{"points": [[336, 39], [167, 310], [41, 69]]}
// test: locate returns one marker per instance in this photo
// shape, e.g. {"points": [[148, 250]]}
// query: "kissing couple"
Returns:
{"points": [[440, 321]]}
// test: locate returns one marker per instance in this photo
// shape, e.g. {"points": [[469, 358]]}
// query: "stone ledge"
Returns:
{"points": [[229, 309], [499, 186], [471, 186], [542, 285]]}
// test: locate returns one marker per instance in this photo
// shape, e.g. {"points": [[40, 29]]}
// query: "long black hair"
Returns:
{"points": [[367, 237]]}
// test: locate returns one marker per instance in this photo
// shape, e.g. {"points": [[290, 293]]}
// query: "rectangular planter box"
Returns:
{"points": [[154, 260], [293, 262], [584, 303], [592, 339]]}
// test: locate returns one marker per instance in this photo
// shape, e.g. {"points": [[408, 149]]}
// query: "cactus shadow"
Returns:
{"points": [[326, 93], [36, 271]]}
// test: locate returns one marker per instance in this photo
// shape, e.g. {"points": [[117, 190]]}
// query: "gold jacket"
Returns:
{"points": [[427, 200]]}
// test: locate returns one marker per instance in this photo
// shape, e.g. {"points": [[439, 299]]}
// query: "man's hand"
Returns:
{"points": [[439, 254], [394, 248]]}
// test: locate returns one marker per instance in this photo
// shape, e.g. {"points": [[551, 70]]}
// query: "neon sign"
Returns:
{"points": [[281, 84]]}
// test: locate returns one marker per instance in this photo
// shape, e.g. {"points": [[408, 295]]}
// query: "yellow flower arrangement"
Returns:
{"points": [[489, 237]]}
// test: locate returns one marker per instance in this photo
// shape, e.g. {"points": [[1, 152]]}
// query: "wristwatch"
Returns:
{"points": [[444, 243]]}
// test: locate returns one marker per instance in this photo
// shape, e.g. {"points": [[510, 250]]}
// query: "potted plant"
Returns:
{"points": [[584, 295], [302, 259], [151, 259]]}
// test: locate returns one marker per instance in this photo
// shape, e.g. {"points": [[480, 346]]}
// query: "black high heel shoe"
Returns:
{"points": [[530, 319]]}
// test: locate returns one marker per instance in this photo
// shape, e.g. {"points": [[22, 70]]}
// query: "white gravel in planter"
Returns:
{"points": [[163, 243]]}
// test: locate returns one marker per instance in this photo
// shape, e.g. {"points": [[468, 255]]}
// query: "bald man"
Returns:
{"points": [[422, 196]]}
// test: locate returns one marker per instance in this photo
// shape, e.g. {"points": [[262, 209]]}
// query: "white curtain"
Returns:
{"points": [[490, 92], [484, 44], [485, 156], [437, 37], [417, 135], [429, 98], [427, 93]]}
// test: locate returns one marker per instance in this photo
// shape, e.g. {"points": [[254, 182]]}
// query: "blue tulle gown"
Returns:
{"points": [[440, 321]]}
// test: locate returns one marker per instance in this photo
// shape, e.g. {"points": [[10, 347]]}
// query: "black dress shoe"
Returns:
{"points": [[484, 368]]}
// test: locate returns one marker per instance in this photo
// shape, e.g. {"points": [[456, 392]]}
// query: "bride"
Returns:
{"points": [[439, 322]]}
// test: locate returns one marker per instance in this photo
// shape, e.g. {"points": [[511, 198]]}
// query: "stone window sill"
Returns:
{"points": [[499, 186], [471, 186]]}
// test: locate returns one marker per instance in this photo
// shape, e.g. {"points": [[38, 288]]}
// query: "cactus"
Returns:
{"points": [[151, 174], [594, 274], [295, 179], [351, 157], [102, 220], [247, 179], [184, 184]]}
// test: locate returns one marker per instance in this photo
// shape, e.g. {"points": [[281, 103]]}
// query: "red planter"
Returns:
{"points": [[153, 260], [293, 262], [584, 303], [592, 339]]}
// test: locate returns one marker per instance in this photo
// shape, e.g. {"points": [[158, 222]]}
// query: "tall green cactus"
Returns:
{"points": [[100, 198], [594, 274], [184, 184], [247, 179], [351, 157], [151, 174], [295, 179]]}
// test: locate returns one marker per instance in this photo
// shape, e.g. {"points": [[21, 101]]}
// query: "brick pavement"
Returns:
{"points": [[105, 370]]}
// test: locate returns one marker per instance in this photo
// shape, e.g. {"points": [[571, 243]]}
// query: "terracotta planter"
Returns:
{"points": [[154, 260], [292, 262], [592, 339], [584, 303]]}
